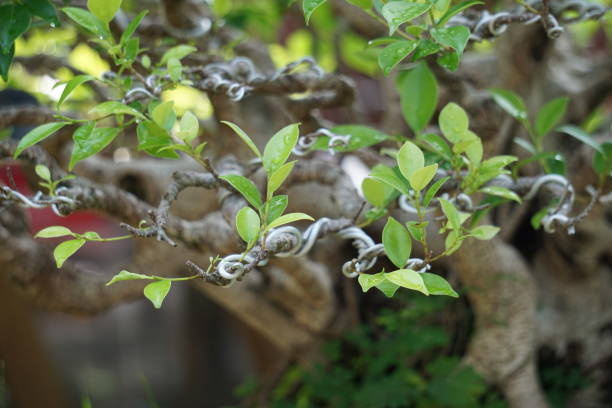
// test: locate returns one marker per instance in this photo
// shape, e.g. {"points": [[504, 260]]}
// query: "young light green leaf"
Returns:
{"points": [[454, 122], [245, 187], [437, 285], [360, 137], [549, 116], [471, 145], [247, 224], [164, 115], [105, 10], [484, 232], [125, 275], [501, 192], [36, 135], [190, 127], [368, 281], [397, 242], [421, 177], [394, 53], [132, 26], [433, 190], [157, 291], [175, 69], [88, 21], [114, 108], [387, 288], [417, 229], [178, 52], [245, 138], [43, 172], [581, 135], [71, 86], [456, 9], [399, 12], [91, 236], [310, 6], [409, 159], [409, 279], [90, 142], [375, 191], [279, 147], [451, 213], [418, 91], [437, 144], [64, 250], [287, 218], [510, 102], [53, 232], [452, 242], [277, 178], [391, 177], [276, 207]]}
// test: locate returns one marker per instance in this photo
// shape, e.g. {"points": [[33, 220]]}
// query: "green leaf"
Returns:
{"points": [[178, 52], [602, 161], [437, 144], [175, 69], [91, 236], [421, 177], [164, 115], [245, 187], [510, 102], [114, 108], [368, 281], [437, 285], [471, 145], [424, 48], [556, 165], [279, 147], [360, 137], [132, 26], [418, 91], [399, 12], [278, 177], [152, 139], [53, 232], [484, 232], [14, 21], [409, 159], [456, 9], [433, 190], [388, 288], [417, 229], [390, 176], [245, 138], [5, 62], [157, 291], [87, 144], [71, 86], [309, 7], [43, 172], [454, 122], [64, 250], [452, 242], [363, 4], [549, 116], [247, 224], [525, 144], [88, 21], [451, 213], [538, 216], [376, 192], [581, 135], [394, 53], [43, 9], [455, 37], [409, 279], [501, 192], [276, 207], [105, 10], [190, 127], [397, 242], [36, 135], [125, 275], [287, 218]]}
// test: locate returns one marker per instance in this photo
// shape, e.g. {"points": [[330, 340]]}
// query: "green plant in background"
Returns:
{"points": [[399, 361]]}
